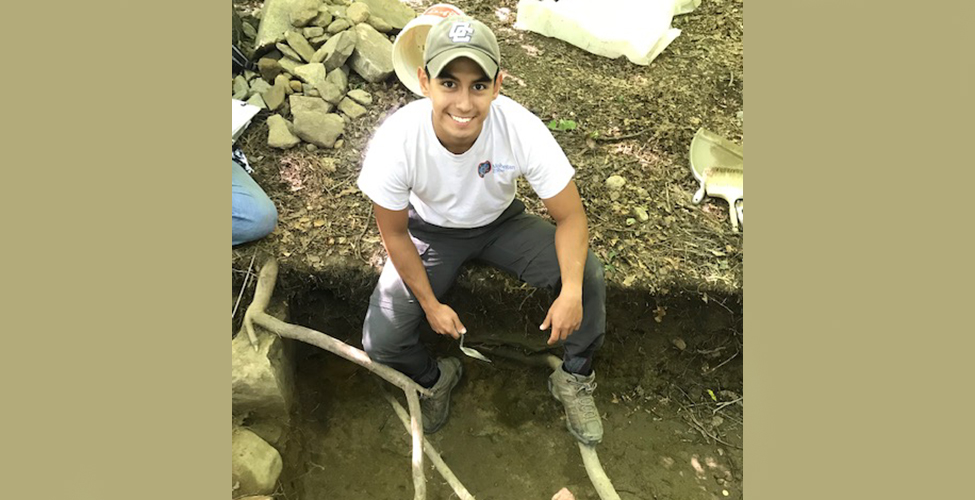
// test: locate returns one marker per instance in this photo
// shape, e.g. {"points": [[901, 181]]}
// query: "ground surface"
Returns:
{"points": [[633, 121]]}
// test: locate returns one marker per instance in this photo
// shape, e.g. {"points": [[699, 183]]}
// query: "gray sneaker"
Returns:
{"points": [[436, 408], [575, 394]]}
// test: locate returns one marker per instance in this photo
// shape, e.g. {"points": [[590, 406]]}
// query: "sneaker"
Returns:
{"points": [[436, 408], [575, 394]]}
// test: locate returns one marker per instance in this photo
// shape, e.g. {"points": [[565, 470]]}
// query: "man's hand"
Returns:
{"points": [[444, 320], [565, 317]]}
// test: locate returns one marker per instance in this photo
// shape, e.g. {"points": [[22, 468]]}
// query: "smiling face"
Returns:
{"points": [[461, 97]]}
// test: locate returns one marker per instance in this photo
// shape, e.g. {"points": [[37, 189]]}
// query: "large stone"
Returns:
{"points": [[275, 21], [331, 92], [288, 51], [358, 12], [372, 58], [275, 97], [304, 12], [360, 96], [256, 100], [312, 32], [304, 104], [284, 81], [312, 73], [338, 78], [300, 44], [379, 23], [255, 465], [241, 89], [259, 86], [396, 13], [338, 25], [268, 68], [278, 136], [324, 17], [351, 108], [262, 381], [336, 50], [288, 64], [318, 129]]}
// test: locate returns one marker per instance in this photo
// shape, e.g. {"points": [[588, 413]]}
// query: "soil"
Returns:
{"points": [[670, 372], [669, 392]]}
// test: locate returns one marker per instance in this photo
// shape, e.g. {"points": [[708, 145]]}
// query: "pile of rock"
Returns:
{"points": [[306, 51]]}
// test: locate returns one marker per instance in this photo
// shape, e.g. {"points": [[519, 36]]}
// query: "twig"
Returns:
{"points": [[621, 137], [243, 287], [722, 404], [700, 428], [431, 452], [712, 370]]}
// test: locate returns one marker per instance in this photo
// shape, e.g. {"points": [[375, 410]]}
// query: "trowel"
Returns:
{"points": [[471, 352], [719, 165]]}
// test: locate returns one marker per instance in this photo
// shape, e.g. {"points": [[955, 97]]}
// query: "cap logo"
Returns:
{"points": [[461, 31]]}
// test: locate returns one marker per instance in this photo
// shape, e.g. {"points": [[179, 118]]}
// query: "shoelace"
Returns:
{"points": [[586, 404]]}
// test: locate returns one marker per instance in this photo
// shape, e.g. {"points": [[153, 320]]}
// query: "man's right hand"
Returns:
{"points": [[444, 320]]}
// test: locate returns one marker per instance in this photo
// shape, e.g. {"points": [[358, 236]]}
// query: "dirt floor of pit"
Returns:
{"points": [[669, 392], [633, 121]]}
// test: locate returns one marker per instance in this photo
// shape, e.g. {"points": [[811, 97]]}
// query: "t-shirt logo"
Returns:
{"points": [[483, 168], [461, 32]]}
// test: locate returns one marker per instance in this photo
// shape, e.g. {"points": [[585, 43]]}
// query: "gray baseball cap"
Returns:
{"points": [[461, 36]]}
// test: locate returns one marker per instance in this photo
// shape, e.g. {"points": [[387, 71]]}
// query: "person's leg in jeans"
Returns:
{"points": [[525, 247], [253, 214]]}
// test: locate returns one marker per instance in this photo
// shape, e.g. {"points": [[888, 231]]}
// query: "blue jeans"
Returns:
{"points": [[254, 215]]}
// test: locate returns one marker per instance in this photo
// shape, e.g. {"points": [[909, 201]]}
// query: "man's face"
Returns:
{"points": [[461, 97]]}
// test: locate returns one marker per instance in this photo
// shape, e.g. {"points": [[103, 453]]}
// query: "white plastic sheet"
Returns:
{"points": [[637, 29]]}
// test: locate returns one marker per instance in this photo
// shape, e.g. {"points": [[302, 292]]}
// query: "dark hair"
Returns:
{"points": [[426, 70]]}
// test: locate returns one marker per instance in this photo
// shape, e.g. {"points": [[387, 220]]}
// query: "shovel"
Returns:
{"points": [[471, 352], [719, 165]]}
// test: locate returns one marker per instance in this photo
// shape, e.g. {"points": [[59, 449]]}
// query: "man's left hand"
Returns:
{"points": [[565, 317]]}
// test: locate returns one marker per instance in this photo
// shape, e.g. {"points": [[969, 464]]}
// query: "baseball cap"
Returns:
{"points": [[461, 36]]}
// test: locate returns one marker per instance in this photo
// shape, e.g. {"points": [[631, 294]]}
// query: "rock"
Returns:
{"points": [[630, 221], [358, 12], [615, 182], [642, 193], [342, 2], [311, 148], [312, 73], [397, 14], [360, 96], [338, 25], [379, 23], [278, 136], [679, 343], [241, 89], [296, 86], [641, 214], [284, 81], [312, 32], [324, 17], [288, 64], [337, 50], [351, 108], [249, 75], [259, 86], [236, 27], [275, 97], [319, 40], [304, 104], [275, 21], [337, 11], [339, 143], [249, 31], [288, 51], [339, 79], [268, 68], [255, 465], [305, 88], [319, 129], [695, 120], [372, 58], [258, 101], [330, 92], [304, 12], [301, 46]]}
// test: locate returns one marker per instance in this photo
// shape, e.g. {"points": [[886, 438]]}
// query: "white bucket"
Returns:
{"points": [[409, 44]]}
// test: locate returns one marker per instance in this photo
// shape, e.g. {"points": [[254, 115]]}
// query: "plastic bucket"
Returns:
{"points": [[409, 44]]}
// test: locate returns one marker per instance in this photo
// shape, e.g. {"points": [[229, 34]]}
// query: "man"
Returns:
{"points": [[442, 174]]}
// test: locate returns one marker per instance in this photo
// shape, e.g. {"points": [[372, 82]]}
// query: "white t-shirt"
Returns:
{"points": [[406, 164]]}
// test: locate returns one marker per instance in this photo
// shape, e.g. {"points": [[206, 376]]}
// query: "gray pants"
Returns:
{"points": [[517, 243]]}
